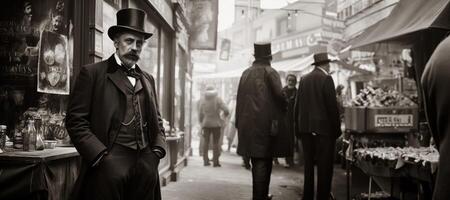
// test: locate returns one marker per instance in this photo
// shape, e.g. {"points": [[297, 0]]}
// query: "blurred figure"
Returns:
{"points": [[230, 129], [340, 100], [290, 92], [318, 125], [209, 115], [435, 80], [260, 109]]}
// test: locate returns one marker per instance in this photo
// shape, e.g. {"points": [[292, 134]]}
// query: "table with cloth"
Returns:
{"points": [[47, 174]]}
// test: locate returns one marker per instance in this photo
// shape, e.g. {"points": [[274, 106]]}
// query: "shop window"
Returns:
{"points": [[36, 62], [109, 19], [149, 55]]}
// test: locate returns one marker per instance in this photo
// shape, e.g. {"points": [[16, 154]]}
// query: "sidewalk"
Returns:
{"points": [[231, 181]]}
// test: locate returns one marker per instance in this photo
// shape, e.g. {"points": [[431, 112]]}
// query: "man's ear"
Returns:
{"points": [[116, 42]]}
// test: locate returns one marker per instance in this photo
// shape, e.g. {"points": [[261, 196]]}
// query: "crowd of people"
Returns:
{"points": [[271, 122]]}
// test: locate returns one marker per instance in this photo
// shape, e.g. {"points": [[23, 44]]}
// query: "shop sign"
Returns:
{"points": [[334, 24], [404, 120], [297, 42], [165, 9]]}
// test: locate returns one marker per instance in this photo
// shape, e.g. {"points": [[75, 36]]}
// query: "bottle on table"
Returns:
{"points": [[29, 136], [2, 137]]}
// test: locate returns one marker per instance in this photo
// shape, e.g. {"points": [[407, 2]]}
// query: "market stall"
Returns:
{"points": [[387, 135], [383, 138]]}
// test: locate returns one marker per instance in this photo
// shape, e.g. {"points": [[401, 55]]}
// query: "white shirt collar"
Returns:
{"points": [[119, 62], [326, 73]]}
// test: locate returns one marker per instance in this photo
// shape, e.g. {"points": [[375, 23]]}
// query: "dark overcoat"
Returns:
{"points": [[96, 108], [260, 102], [435, 82], [316, 105], [290, 95]]}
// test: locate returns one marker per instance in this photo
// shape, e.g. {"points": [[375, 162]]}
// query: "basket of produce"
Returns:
{"points": [[384, 112]]}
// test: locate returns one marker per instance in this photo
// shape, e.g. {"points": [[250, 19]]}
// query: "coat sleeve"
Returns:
{"points": [[160, 141], [297, 110], [276, 88], [78, 119], [331, 104], [238, 108], [223, 107]]}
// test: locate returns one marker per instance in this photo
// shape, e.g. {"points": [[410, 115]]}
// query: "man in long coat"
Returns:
{"points": [[114, 122], [260, 108], [435, 81], [318, 124]]}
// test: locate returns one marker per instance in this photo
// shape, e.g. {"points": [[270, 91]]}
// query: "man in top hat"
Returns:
{"points": [[260, 109], [318, 124], [114, 122]]}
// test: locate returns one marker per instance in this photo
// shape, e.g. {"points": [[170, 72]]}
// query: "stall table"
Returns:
{"points": [[48, 174]]}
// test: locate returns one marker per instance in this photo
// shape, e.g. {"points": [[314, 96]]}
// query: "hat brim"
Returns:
{"points": [[322, 62], [113, 30]]}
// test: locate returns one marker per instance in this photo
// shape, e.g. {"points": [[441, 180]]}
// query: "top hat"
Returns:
{"points": [[321, 58], [129, 19], [262, 50]]}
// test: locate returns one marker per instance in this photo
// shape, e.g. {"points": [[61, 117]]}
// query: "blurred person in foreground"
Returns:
{"points": [[210, 108], [260, 110], [318, 124], [114, 122], [435, 81]]}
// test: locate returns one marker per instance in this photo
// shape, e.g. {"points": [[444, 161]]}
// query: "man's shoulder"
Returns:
{"points": [[148, 75], [95, 67]]}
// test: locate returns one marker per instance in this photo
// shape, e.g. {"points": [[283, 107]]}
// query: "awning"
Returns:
{"points": [[289, 65], [409, 16], [294, 64]]}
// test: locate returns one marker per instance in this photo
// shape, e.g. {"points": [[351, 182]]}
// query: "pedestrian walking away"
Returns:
{"points": [[260, 112], [318, 124], [210, 108], [114, 122]]}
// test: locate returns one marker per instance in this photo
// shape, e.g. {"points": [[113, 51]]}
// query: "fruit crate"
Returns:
{"points": [[392, 119], [355, 118]]}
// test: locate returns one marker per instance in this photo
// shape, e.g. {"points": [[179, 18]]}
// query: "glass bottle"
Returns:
{"points": [[2, 137], [39, 135], [29, 136]]}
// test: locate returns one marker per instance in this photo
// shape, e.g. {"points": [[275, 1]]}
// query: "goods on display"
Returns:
{"points": [[422, 155], [381, 111], [379, 195], [370, 97]]}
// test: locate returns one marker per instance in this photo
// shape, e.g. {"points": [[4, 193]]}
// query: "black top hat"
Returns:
{"points": [[321, 58], [262, 50], [129, 19]]}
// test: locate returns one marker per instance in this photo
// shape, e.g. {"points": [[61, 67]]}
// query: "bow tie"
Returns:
{"points": [[132, 72]]}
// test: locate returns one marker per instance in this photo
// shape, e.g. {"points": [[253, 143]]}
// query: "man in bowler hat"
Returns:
{"points": [[114, 122], [260, 109], [318, 124]]}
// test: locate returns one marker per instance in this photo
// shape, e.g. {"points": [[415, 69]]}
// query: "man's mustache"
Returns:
{"points": [[132, 56]]}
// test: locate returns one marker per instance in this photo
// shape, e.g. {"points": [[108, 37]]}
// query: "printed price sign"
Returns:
{"points": [[405, 120]]}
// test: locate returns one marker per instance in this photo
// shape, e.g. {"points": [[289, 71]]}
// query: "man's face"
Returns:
{"points": [[128, 47], [291, 81], [325, 66]]}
